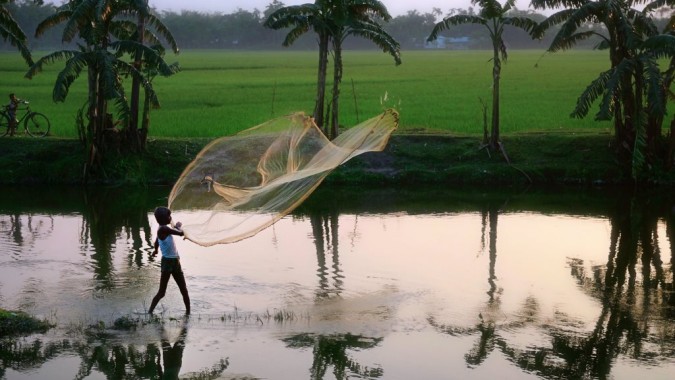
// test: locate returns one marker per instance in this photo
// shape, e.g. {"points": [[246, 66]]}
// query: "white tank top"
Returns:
{"points": [[168, 247]]}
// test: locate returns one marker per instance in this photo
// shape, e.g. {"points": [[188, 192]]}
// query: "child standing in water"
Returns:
{"points": [[170, 260]]}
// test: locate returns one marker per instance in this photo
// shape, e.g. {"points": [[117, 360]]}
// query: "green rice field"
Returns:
{"points": [[221, 92]]}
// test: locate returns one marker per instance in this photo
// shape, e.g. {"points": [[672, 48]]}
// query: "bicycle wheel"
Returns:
{"points": [[4, 125], [37, 125]]}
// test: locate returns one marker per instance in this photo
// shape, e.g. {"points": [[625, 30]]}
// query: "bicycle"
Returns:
{"points": [[34, 123]]}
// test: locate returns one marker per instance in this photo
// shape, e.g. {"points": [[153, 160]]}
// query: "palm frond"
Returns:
{"points": [[294, 34], [524, 23], [108, 73], [376, 34], [489, 8], [151, 39], [49, 59], [613, 87], [508, 5], [83, 14], [368, 8], [11, 32], [122, 29], [603, 44], [25, 53], [661, 46], [502, 51], [590, 95], [454, 20], [642, 23], [104, 9], [654, 5], [71, 71], [162, 30], [141, 6], [149, 55], [556, 4], [122, 108], [288, 16], [51, 21], [572, 40], [10, 26], [621, 22], [551, 21], [654, 85]]}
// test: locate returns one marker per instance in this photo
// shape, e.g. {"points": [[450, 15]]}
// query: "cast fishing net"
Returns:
{"points": [[241, 184]]}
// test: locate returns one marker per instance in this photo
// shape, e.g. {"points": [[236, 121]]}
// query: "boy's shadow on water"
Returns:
{"points": [[172, 354], [163, 361]]}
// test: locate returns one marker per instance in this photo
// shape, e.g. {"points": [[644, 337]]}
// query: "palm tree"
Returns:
{"points": [[333, 21], [356, 18], [495, 18], [142, 35], [104, 40], [11, 32], [632, 89], [302, 18]]}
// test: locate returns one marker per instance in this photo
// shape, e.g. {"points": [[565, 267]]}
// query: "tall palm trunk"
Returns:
{"points": [[670, 158], [102, 110], [496, 74], [132, 133], [337, 78], [91, 128], [145, 122], [320, 103]]}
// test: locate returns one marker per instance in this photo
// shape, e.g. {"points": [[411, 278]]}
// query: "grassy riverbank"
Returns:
{"points": [[438, 94], [584, 159]]}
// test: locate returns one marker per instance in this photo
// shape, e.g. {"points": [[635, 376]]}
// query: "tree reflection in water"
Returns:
{"points": [[24, 356], [116, 361], [331, 351], [103, 224], [325, 232], [26, 229], [634, 289]]}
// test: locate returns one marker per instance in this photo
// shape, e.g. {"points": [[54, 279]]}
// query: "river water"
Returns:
{"points": [[355, 284]]}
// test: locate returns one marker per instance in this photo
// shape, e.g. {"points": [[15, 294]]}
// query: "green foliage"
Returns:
{"points": [[633, 83], [579, 157], [640, 148], [494, 17], [11, 32], [18, 323]]}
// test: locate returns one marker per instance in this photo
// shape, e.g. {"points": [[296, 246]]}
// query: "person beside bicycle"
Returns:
{"points": [[16, 113], [11, 110]]}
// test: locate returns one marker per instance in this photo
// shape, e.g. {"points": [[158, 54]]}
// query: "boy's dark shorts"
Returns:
{"points": [[171, 266]]}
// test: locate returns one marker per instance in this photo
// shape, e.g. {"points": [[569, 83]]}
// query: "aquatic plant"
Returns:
{"points": [[18, 322]]}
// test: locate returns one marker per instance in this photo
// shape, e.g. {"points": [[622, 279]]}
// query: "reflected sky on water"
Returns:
{"points": [[433, 284]]}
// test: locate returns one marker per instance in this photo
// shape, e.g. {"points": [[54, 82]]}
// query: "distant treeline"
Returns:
{"points": [[244, 30]]}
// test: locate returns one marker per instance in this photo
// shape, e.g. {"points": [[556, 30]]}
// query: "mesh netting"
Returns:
{"points": [[239, 185]]}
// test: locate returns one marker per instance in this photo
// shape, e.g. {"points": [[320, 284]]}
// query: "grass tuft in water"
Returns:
{"points": [[126, 323], [278, 316], [19, 323]]}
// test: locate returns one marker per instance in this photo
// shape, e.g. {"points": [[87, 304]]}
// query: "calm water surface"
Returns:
{"points": [[356, 284]]}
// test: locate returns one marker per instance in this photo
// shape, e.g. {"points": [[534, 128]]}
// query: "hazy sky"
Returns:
{"points": [[395, 7]]}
